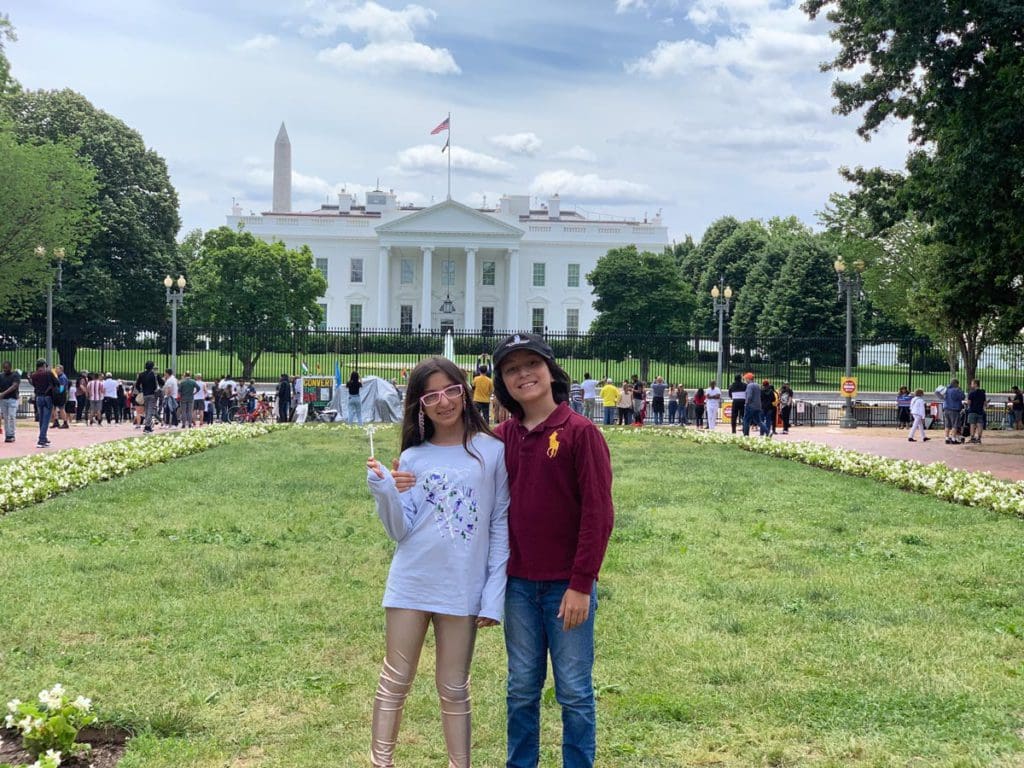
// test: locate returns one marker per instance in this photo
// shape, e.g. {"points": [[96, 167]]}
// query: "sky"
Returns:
{"points": [[696, 109]]}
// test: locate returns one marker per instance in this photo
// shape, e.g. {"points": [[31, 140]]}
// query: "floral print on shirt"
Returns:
{"points": [[454, 507]]}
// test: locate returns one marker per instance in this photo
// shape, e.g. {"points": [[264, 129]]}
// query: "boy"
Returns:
{"points": [[560, 520]]}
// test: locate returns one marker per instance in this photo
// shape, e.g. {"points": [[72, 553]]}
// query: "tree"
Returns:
{"points": [[640, 295], [7, 84], [241, 282], [47, 198], [119, 276]]}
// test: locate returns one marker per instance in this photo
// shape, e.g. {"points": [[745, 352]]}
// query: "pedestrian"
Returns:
{"points": [[187, 389], [284, 399], [684, 403], [43, 385], [673, 404], [483, 387], [658, 400], [455, 522], [148, 383], [560, 520], [786, 398], [769, 406], [714, 396], [903, 398], [917, 414], [1017, 403], [298, 392], [576, 397], [82, 397], [95, 399], [355, 403], [589, 397], [170, 392], [976, 400], [738, 395], [250, 396], [626, 404], [10, 382], [60, 398], [952, 404], [751, 404], [700, 400], [609, 401], [639, 395], [109, 397]]}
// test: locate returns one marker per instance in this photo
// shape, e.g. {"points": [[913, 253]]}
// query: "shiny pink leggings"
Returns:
{"points": [[454, 638]]}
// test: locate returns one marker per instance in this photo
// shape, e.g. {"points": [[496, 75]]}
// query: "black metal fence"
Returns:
{"points": [[808, 364]]}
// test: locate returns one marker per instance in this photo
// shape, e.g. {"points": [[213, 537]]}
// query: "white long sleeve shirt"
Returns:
{"points": [[451, 529], [917, 407]]}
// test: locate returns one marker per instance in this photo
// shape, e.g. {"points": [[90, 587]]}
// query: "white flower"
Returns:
{"points": [[9, 721], [82, 704], [25, 725], [13, 704], [54, 755]]}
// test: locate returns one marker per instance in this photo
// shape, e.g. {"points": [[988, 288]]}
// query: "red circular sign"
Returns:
{"points": [[849, 387]]}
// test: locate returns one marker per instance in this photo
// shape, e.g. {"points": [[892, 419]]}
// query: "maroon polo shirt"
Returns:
{"points": [[560, 482]]}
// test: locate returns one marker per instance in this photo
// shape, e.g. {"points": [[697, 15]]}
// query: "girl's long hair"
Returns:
{"points": [[472, 421], [560, 384]]}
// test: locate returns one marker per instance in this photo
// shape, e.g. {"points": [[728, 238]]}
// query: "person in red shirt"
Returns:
{"points": [[560, 520]]}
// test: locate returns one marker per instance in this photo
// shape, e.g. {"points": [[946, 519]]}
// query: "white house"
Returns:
{"points": [[448, 265]]}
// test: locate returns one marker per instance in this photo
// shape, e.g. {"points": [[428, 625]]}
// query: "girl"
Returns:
{"points": [[917, 411], [355, 403], [699, 402], [449, 565], [560, 519], [786, 397]]}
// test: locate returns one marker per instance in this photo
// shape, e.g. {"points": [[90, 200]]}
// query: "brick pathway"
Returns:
{"points": [[75, 436]]}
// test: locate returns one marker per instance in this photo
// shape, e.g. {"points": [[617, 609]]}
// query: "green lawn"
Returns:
{"points": [[753, 612]]}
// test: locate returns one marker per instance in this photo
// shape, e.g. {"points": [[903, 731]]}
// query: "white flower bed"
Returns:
{"points": [[34, 478], [973, 489]]}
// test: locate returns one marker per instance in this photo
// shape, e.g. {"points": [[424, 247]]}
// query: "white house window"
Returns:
{"points": [[355, 316], [405, 324], [538, 274], [321, 264], [356, 272], [487, 320], [448, 273], [323, 317], [408, 272], [487, 273], [572, 320], [574, 275], [538, 320]]}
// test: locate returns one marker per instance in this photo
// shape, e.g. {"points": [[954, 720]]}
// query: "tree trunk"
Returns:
{"points": [[645, 367], [812, 374], [249, 364], [66, 350]]}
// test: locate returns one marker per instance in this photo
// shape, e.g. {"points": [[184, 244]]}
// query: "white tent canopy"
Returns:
{"points": [[380, 401]]}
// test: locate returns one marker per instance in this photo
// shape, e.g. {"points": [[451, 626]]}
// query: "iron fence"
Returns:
{"points": [[809, 364]]}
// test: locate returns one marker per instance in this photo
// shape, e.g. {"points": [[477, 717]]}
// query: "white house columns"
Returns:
{"points": [[383, 285], [512, 290], [470, 319], [427, 300]]}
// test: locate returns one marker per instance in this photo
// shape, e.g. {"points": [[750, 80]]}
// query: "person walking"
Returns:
{"points": [[483, 387], [284, 399], [786, 398], [43, 385], [751, 404], [738, 395], [355, 402], [976, 400], [714, 396], [917, 411], [700, 400], [10, 382], [148, 383], [952, 404], [589, 397], [609, 401], [454, 523]]}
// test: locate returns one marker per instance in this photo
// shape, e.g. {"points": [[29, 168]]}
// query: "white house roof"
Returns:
{"points": [[449, 223]]}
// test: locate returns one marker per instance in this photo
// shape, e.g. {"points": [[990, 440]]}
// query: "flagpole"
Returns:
{"points": [[449, 155]]}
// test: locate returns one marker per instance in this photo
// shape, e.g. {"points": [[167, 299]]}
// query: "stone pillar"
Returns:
{"points": [[512, 291], [427, 300], [383, 287], [471, 321]]}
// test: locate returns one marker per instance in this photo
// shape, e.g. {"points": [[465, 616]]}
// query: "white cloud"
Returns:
{"points": [[391, 56], [428, 158], [518, 143], [591, 188], [622, 6], [577, 153], [257, 43]]}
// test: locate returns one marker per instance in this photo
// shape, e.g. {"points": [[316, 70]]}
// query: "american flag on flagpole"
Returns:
{"points": [[447, 145], [442, 127]]}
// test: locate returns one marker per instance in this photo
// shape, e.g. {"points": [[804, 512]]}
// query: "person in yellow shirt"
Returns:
{"points": [[482, 389], [609, 398]]}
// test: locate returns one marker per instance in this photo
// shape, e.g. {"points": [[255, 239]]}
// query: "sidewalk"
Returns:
{"points": [[76, 436]]}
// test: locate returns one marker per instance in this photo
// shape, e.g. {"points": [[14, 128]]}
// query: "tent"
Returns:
{"points": [[380, 399]]}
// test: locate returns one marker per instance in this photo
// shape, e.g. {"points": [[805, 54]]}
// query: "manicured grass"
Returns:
{"points": [[753, 612]]}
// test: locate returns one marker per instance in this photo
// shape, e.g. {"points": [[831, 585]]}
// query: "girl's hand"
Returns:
{"points": [[404, 481], [482, 622], [374, 466]]}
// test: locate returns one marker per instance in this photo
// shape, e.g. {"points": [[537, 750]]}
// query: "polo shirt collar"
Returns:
{"points": [[556, 418]]}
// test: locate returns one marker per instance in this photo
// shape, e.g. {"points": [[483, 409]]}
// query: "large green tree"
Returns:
{"points": [[640, 296], [241, 282]]}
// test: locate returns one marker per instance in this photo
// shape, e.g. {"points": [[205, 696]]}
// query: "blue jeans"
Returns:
{"points": [[577, 406], [609, 414], [355, 409], [767, 422], [44, 408], [750, 416], [532, 631], [10, 413]]}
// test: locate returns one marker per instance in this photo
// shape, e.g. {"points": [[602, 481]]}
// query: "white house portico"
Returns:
{"points": [[509, 267]]}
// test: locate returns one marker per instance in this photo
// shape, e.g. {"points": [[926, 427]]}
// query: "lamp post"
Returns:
{"points": [[850, 282], [720, 295], [175, 299], [58, 254]]}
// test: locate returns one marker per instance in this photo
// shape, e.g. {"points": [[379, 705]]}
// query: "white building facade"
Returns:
{"points": [[450, 265]]}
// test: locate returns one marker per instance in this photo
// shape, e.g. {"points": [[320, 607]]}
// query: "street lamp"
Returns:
{"points": [[58, 254], [850, 282], [175, 299], [722, 308]]}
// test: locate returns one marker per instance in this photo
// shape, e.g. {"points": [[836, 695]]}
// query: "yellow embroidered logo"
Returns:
{"points": [[553, 445]]}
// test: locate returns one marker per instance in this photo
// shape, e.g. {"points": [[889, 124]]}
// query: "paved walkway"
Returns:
{"points": [[75, 436]]}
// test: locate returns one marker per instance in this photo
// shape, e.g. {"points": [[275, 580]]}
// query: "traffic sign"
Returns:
{"points": [[848, 386]]}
